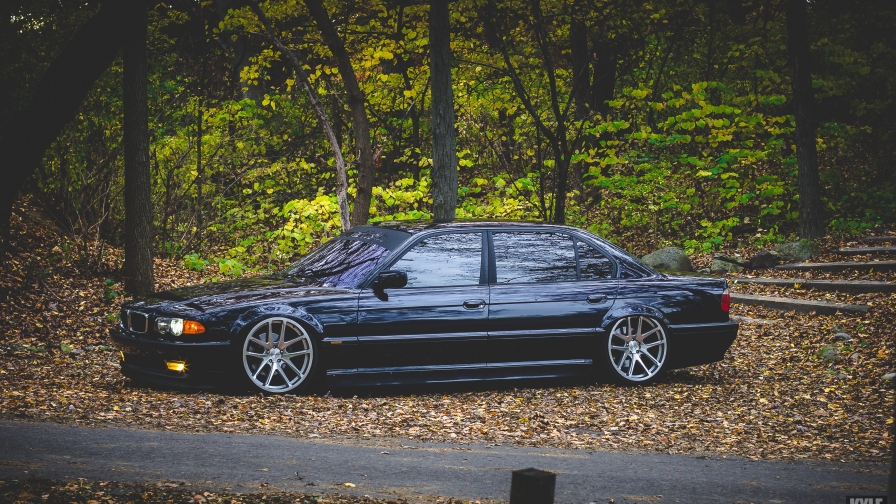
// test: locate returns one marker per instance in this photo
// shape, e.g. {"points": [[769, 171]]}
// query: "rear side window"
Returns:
{"points": [[593, 265], [534, 257]]}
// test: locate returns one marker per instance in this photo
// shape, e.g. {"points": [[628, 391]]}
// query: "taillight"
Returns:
{"points": [[726, 300]]}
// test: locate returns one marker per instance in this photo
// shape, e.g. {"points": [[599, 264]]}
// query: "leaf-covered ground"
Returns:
{"points": [[43, 491], [785, 389]]}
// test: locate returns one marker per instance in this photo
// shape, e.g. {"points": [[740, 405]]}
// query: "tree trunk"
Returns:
{"points": [[138, 224], [356, 103], [604, 80], [561, 165], [28, 133], [578, 41], [444, 143], [811, 224]]}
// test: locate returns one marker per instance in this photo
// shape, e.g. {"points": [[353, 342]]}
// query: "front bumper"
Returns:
{"points": [[695, 344], [206, 363]]}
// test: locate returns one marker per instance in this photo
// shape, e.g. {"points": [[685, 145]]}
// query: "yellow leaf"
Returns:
{"points": [[349, 485]]}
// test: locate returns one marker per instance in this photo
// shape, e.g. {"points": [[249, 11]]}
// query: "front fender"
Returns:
{"points": [[258, 313]]}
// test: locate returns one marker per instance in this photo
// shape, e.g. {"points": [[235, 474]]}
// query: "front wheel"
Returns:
{"points": [[636, 351], [278, 356]]}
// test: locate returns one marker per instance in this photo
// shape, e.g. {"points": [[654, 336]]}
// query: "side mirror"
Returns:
{"points": [[390, 279]]}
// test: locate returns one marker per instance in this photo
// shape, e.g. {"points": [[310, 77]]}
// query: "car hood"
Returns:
{"points": [[213, 295]]}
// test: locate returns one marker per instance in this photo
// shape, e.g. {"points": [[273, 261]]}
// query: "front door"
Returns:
{"points": [[438, 319], [549, 293]]}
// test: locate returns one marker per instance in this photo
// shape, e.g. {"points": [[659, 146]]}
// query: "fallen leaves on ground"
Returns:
{"points": [[785, 390], [44, 491]]}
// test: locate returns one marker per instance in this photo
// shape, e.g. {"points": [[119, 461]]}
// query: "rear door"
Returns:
{"points": [[548, 295], [440, 317]]}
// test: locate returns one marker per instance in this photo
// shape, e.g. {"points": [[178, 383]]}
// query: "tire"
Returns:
{"points": [[635, 351], [278, 355]]}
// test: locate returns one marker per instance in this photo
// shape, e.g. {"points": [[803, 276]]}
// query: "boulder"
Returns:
{"points": [[722, 266], [798, 251], [669, 259], [764, 260]]}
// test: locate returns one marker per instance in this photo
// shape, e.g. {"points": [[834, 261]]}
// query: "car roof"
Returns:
{"points": [[418, 226]]}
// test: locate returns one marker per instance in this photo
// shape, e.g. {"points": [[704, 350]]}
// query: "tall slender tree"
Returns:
{"points": [[356, 103], [444, 142], [811, 224], [138, 233], [318, 107]]}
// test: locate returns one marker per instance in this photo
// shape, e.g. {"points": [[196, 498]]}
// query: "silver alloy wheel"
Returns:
{"points": [[277, 355], [637, 347]]}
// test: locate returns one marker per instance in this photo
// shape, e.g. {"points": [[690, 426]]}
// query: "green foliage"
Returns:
{"points": [[695, 163], [230, 267], [110, 289], [194, 262]]}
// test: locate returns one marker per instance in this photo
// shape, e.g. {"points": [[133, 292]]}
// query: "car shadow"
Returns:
{"points": [[456, 388], [690, 376]]}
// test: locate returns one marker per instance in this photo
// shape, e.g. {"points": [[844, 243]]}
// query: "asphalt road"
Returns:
{"points": [[413, 469]]}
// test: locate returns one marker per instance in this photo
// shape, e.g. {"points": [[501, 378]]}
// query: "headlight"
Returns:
{"points": [[178, 326], [173, 326]]}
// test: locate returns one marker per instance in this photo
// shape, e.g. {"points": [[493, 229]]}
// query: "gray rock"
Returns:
{"points": [[889, 376], [735, 259], [721, 266], [669, 259], [842, 336], [704, 270], [798, 251], [764, 260]]}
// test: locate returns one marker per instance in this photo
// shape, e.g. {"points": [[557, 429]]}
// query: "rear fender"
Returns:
{"points": [[626, 309]]}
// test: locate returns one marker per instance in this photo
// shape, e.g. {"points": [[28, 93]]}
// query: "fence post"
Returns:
{"points": [[532, 486]]}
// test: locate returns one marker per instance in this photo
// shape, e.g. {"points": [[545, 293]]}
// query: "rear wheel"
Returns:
{"points": [[279, 356], [636, 351]]}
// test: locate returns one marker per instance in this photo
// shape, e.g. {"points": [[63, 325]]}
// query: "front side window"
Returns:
{"points": [[338, 262], [443, 260], [534, 257]]}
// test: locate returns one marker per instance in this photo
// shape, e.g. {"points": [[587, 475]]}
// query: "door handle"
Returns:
{"points": [[473, 304], [596, 298]]}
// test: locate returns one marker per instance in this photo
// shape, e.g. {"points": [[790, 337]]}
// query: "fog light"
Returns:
{"points": [[176, 365]]}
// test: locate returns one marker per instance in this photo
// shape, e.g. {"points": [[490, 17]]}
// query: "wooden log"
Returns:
{"points": [[532, 486], [851, 286], [798, 305], [840, 266], [866, 250], [879, 239]]}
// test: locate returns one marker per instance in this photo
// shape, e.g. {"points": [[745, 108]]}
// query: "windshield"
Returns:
{"points": [[339, 262]]}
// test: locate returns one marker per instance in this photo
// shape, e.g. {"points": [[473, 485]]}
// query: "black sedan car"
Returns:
{"points": [[417, 302]]}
